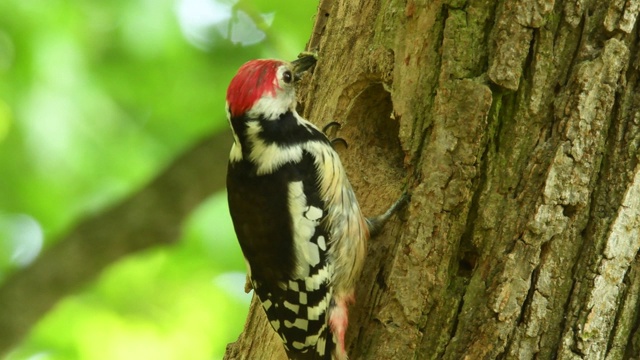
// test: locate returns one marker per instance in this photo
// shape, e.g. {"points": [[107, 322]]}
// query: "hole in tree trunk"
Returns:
{"points": [[374, 155]]}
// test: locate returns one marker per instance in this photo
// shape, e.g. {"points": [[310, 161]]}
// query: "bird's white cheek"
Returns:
{"points": [[271, 107]]}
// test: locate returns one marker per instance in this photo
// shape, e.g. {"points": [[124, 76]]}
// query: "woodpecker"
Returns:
{"points": [[295, 214]]}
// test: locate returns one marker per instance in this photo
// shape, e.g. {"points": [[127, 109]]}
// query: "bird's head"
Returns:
{"points": [[264, 88]]}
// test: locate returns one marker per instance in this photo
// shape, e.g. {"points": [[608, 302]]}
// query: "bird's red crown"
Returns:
{"points": [[253, 80]]}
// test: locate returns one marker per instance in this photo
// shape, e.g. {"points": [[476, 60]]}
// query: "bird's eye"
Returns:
{"points": [[287, 76]]}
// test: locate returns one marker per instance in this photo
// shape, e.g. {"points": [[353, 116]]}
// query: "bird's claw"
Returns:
{"points": [[331, 129]]}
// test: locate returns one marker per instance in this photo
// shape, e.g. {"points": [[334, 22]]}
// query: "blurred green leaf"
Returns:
{"points": [[95, 99]]}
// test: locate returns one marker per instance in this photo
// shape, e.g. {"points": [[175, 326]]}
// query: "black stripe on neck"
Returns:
{"points": [[285, 130]]}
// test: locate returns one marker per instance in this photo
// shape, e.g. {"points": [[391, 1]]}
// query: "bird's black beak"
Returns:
{"points": [[304, 63]]}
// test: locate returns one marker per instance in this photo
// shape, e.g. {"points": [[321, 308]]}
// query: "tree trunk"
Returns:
{"points": [[515, 125]]}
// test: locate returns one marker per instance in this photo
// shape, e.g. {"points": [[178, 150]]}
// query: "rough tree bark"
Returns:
{"points": [[516, 126]]}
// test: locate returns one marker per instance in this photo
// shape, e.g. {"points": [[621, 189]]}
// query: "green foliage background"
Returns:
{"points": [[95, 98]]}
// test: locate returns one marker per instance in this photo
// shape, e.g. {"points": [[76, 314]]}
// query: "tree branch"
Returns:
{"points": [[151, 217]]}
